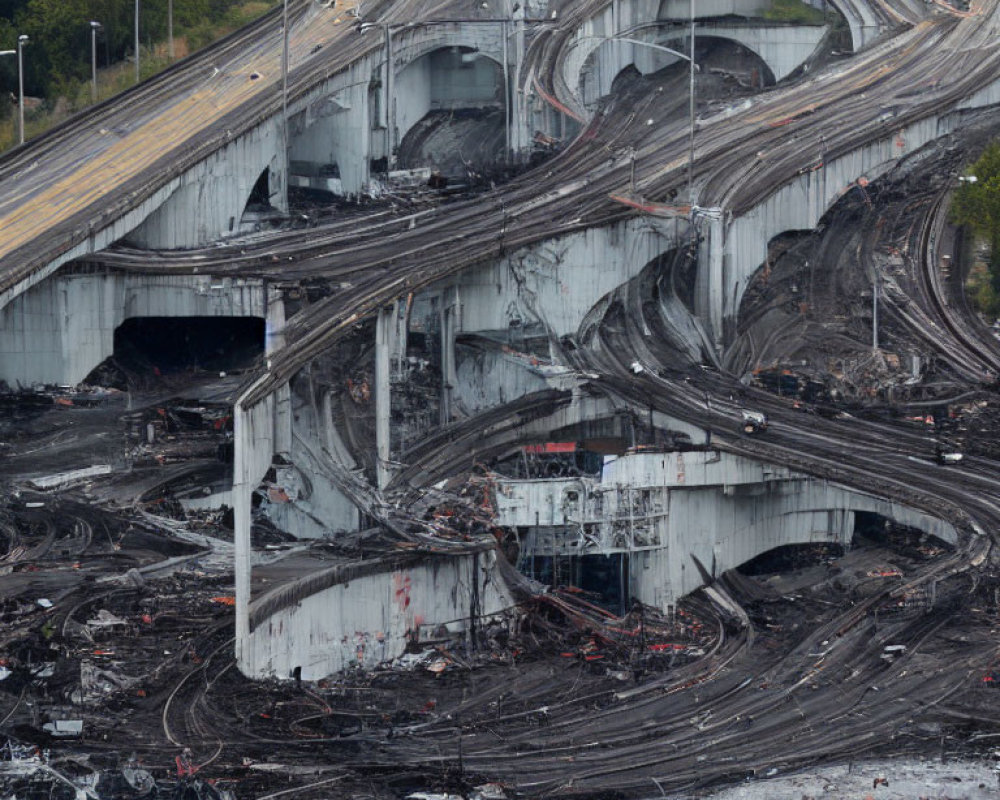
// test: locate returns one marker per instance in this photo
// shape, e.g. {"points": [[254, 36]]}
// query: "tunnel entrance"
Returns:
{"points": [[871, 529], [260, 194], [450, 115], [603, 577], [165, 345], [726, 69], [791, 557], [461, 144], [716, 55]]}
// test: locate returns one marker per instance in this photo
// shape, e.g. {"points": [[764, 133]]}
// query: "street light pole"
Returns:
{"points": [[284, 97], [170, 29], [136, 41], [94, 28], [691, 113], [21, 41], [693, 67]]}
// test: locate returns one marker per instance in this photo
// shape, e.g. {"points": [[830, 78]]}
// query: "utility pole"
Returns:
{"points": [[136, 41], [691, 112], [21, 41], [284, 96], [94, 28], [170, 29]]}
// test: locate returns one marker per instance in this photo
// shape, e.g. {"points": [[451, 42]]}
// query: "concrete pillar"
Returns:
{"points": [[253, 450], [399, 343], [520, 134], [383, 395], [278, 169], [274, 339], [241, 535], [390, 100], [449, 326], [716, 244]]}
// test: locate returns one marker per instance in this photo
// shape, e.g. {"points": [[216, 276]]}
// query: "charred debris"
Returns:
{"points": [[116, 622], [116, 670]]}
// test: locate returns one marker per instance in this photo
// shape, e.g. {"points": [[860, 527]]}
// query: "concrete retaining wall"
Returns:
{"points": [[369, 613], [558, 281]]}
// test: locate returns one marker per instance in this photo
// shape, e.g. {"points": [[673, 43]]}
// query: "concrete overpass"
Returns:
{"points": [[157, 191], [172, 162]]}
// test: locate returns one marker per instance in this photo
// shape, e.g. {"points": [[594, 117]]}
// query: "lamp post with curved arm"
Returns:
{"points": [[693, 68], [94, 28]]}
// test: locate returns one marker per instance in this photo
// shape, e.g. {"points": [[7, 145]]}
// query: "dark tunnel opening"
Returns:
{"points": [[874, 529], [260, 194], [789, 557], [604, 577], [167, 345]]}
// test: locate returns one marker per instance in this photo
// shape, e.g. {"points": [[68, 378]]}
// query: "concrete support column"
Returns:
{"points": [[278, 166], [450, 318], [241, 536], [278, 172], [253, 449], [274, 339], [843, 526], [388, 95], [383, 395], [399, 343], [520, 135], [716, 245]]}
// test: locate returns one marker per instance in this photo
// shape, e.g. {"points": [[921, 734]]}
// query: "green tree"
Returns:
{"points": [[8, 65], [58, 55], [976, 205]]}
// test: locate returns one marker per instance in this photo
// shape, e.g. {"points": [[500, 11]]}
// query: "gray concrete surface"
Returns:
{"points": [[908, 780]]}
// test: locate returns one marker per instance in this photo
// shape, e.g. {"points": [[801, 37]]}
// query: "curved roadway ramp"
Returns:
{"points": [[920, 75]]}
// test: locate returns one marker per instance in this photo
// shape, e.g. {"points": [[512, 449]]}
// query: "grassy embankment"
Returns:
{"points": [[121, 75]]}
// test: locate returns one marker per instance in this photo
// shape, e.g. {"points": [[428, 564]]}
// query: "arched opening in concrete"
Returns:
{"points": [[789, 557], [726, 67], [875, 530], [773, 324], [165, 345], [667, 285], [808, 309], [258, 213], [728, 58], [260, 194], [449, 113]]}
